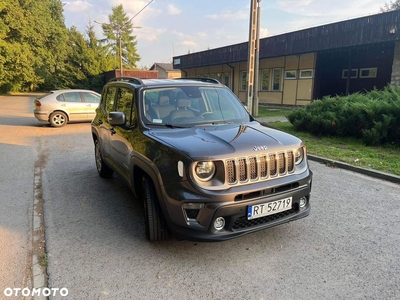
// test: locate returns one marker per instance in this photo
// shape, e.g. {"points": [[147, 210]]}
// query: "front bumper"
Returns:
{"points": [[234, 210]]}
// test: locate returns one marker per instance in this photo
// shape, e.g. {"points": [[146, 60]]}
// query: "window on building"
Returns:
{"points": [[243, 81], [276, 79], [265, 79], [309, 73], [353, 73], [292, 74], [226, 79], [368, 72]]}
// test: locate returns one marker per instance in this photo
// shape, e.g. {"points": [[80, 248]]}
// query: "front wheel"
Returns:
{"points": [[155, 226], [103, 170]]}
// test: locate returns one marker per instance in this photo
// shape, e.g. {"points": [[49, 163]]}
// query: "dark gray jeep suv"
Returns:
{"points": [[204, 168]]}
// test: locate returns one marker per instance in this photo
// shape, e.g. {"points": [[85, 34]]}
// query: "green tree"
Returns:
{"points": [[120, 39], [87, 60], [32, 44], [392, 5]]}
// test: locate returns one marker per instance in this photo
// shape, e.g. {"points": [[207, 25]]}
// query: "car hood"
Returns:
{"points": [[211, 142]]}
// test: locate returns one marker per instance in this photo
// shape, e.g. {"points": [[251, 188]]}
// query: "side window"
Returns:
{"points": [[108, 103], [276, 79], [265, 80], [243, 81], [72, 97], [60, 97], [91, 98], [125, 99]]}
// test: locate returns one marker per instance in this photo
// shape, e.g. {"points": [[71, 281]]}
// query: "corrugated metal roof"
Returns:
{"points": [[382, 27]]}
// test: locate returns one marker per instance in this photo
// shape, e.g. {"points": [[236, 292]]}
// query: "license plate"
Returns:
{"points": [[269, 208]]}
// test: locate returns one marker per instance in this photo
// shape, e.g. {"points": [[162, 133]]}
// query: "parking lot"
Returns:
{"points": [[348, 248]]}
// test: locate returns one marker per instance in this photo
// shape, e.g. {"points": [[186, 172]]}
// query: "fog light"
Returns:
{"points": [[303, 202], [219, 223]]}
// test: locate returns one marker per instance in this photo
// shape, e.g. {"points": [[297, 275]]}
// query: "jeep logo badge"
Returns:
{"points": [[260, 148]]}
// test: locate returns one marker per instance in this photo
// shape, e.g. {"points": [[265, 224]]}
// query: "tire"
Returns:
{"points": [[58, 119], [103, 170], [155, 225]]}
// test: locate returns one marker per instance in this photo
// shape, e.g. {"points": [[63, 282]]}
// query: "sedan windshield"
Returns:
{"points": [[188, 106]]}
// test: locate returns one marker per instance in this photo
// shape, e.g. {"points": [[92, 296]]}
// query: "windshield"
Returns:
{"points": [[191, 106]]}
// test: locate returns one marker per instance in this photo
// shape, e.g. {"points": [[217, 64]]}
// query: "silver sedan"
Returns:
{"points": [[63, 106]]}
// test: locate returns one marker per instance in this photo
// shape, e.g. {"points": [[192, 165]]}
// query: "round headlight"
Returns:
{"points": [[205, 170], [299, 155]]}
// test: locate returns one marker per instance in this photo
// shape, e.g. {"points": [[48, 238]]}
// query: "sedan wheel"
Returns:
{"points": [[58, 119]]}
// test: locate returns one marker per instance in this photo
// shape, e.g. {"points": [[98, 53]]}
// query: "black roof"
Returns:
{"points": [[378, 28]]}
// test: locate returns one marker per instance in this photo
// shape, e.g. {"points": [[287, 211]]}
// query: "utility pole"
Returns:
{"points": [[121, 74], [253, 61]]}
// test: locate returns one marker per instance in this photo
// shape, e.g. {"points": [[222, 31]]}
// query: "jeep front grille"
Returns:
{"points": [[260, 167]]}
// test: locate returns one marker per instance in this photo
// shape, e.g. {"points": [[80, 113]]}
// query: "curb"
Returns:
{"points": [[368, 172], [39, 272]]}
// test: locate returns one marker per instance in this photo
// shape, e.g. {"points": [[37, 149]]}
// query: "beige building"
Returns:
{"points": [[297, 67], [166, 71]]}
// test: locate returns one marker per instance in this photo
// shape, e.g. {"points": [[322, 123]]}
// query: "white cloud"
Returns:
{"points": [[173, 10], [239, 15], [342, 9], [264, 32], [189, 43], [202, 35], [149, 34], [133, 7], [76, 6]]}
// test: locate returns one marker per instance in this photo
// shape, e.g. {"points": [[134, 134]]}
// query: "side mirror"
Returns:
{"points": [[117, 118]]}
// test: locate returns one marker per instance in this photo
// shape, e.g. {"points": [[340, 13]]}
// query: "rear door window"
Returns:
{"points": [[91, 97], [72, 97]]}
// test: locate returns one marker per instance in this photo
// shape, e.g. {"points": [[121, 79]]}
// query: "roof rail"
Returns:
{"points": [[202, 79], [130, 79]]}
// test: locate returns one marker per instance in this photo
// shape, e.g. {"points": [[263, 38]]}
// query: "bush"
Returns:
{"points": [[374, 116]]}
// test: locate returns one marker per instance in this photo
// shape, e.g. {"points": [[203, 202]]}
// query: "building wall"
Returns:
{"points": [[395, 78], [174, 74], [291, 91], [370, 67], [162, 74]]}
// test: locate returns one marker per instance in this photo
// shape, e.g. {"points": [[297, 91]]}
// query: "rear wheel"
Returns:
{"points": [[103, 170], [155, 226], [58, 119]]}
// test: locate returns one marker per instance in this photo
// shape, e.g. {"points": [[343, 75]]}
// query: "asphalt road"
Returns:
{"points": [[348, 248]]}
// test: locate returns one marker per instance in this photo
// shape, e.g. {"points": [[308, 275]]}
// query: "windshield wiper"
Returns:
{"points": [[214, 123], [166, 125]]}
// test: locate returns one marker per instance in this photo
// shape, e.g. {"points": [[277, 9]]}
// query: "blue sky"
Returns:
{"points": [[175, 27]]}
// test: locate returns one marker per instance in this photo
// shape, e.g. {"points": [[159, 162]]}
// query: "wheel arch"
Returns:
{"points": [[59, 110], [142, 166]]}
